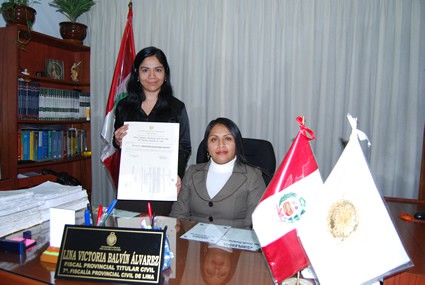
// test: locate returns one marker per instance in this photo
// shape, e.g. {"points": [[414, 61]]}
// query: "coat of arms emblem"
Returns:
{"points": [[291, 207]]}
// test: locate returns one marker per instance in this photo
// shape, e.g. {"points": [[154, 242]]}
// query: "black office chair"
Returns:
{"points": [[259, 153]]}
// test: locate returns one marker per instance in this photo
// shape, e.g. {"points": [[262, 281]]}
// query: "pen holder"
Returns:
{"points": [[168, 255]]}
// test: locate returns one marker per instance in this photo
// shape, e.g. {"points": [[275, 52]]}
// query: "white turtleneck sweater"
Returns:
{"points": [[217, 176]]}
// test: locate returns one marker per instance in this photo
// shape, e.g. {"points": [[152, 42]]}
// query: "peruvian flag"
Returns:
{"points": [[109, 156], [283, 205]]}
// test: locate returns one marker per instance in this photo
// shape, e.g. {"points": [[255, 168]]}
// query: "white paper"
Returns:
{"points": [[149, 162], [58, 219], [224, 236], [20, 209], [240, 239], [206, 232]]}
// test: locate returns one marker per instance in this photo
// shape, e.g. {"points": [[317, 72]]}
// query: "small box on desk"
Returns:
{"points": [[58, 219], [50, 255], [12, 246]]}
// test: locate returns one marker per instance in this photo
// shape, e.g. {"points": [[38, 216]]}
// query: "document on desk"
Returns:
{"points": [[206, 232], [240, 239], [149, 158], [224, 236]]}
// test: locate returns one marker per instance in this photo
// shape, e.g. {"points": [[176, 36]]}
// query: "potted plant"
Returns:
{"points": [[18, 12], [72, 9]]}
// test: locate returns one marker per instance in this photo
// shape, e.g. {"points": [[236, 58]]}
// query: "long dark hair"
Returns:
{"points": [[135, 89], [236, 133]]}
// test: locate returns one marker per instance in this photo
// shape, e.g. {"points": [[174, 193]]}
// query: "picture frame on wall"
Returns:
{"points": [[54, 69]]}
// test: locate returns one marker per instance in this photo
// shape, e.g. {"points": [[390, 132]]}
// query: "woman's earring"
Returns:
{"points": [[208, 155]]}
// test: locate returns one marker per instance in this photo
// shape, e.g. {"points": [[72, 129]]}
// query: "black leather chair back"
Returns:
{"points": [[258, 152]]}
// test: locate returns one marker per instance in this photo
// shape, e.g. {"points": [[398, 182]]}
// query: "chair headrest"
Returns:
{"points": [[258, 152]]}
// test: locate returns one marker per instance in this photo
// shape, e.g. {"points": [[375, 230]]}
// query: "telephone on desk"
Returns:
{"points": [[63, 177]]}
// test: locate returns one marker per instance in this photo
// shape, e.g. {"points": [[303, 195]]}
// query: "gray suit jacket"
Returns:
{"points": [[232, 206]]}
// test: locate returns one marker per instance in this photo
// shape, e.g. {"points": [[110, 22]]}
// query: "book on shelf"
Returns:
{"points": [[32, 146], [35, 102], [85, 106], [61, 104], [25, 144], [50, 144], [19, 146], [28, 99], [40, 149]]}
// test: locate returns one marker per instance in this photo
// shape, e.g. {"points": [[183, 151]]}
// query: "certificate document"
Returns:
{"points": [[149, 161]]}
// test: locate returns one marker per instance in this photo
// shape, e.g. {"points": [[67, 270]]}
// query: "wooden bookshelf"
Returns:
{"points": [[32, 56]]}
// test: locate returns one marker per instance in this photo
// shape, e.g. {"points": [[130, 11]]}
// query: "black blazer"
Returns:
{"points": [[170, 110]]}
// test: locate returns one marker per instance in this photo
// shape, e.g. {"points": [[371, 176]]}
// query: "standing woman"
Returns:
{"points": [[150, 99], [224, 190]]}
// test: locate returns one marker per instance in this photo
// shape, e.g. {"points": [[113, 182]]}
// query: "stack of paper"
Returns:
{"points": [[21, 209], [53, 195], [18, 210]]}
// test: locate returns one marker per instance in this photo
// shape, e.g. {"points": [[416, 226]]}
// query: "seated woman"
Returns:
{"points": [[224, 190]]}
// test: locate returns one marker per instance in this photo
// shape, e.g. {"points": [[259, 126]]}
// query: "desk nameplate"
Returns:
{"points": [[111, 254]]}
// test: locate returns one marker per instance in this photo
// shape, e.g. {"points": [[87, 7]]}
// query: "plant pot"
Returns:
{"points": [[19, 14], [73, 32]]}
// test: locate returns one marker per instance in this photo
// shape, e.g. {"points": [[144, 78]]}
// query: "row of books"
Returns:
{"points": [[40, 103], [42, 144]]}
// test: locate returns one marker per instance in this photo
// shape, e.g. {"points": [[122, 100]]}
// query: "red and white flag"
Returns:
{"points": [[109, 156], [283, 205], [351, 238]]}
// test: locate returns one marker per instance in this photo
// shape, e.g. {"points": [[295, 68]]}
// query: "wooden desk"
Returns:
{"points": [[413, 238], [250, 267]]}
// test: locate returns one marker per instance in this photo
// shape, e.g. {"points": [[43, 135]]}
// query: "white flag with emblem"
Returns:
{"points": [[350, 238]]}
